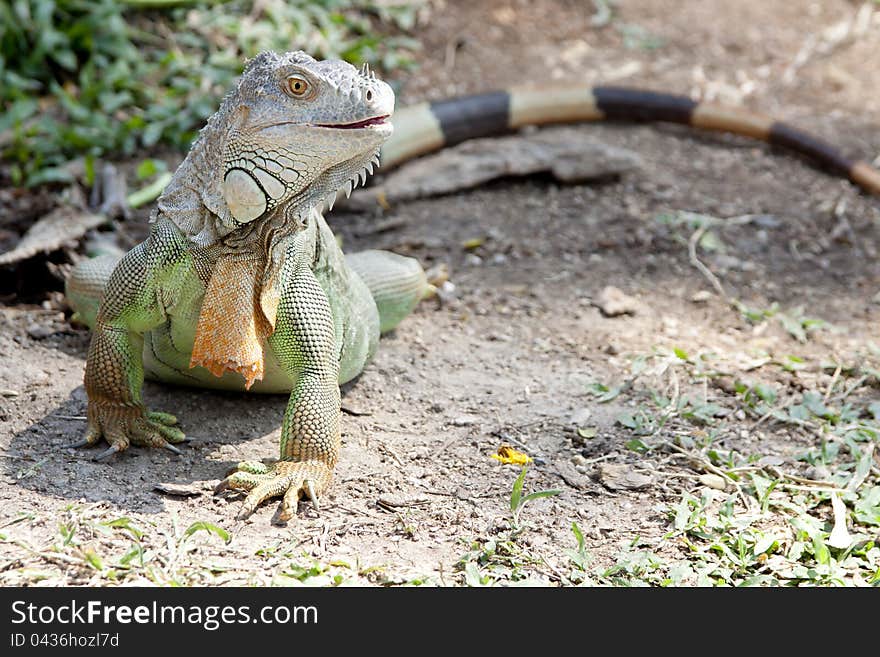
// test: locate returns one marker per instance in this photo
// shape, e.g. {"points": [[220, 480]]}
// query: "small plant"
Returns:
{"points": [[90, 78], [580, 557], [518, 500]]}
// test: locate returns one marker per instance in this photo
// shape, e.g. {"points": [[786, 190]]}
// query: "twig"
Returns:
{"points": [[703, 269], [846, 393], [445, 446], [701, 462], [604, 457], [355, 413], [52, 556], [393, 454], [810, 483], [830, 40], [832, 384], [810, 489], [562, 578]]}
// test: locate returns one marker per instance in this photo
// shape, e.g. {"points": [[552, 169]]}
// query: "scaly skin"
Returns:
{"points": [[242, 283]]}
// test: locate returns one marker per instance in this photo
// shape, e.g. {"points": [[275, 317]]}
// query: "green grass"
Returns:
{"points": [[95, 78], [775, 523], [738, 518]]}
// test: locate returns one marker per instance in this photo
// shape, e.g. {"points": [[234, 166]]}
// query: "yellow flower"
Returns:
{"points": [[507, 454]]}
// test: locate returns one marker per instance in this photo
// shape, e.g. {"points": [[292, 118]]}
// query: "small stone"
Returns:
{"points": [[177, 490], [580, 417], [577, 459], [702, 296], [38, 331], [818, 473], [713, 481], [616, 476], [613, 302], [473, 259], [725, 383], [464, 421]]}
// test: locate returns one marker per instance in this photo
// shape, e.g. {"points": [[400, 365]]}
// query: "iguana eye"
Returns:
{"points": [[297, 86]]}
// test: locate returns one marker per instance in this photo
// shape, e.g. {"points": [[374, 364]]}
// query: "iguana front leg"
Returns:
{"points": [[114, 369], [304, 343]]}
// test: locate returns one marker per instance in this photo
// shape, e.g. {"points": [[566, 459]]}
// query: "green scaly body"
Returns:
{"points": [[241, 274]]}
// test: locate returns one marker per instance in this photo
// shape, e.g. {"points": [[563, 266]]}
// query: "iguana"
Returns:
{"points": [[241, 284]]}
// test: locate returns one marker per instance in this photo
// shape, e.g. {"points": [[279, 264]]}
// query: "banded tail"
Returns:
{"points": [[427, 127]]}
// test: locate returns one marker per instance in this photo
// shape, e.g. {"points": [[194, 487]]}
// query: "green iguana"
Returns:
{"points": [[241, 284]]}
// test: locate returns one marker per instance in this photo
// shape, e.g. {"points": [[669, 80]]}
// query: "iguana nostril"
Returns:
{"points": [[369, 95]]}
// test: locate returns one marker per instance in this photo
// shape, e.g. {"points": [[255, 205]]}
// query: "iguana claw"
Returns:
{"points": [[122, 426], [290, 480], [107, 453], [310, 491]]}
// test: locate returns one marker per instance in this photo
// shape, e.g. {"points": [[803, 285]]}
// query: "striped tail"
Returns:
{"points": [[427, 127]]}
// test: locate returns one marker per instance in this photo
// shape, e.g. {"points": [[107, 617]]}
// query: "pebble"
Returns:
{"points": [[38, 331], [818, 473], [713, 481], [580, 417], [613, 302], [619, 476]]}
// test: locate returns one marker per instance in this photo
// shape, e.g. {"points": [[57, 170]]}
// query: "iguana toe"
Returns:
{"points": [[167, 419], [125, 426], [290, 480], [93, 435], [154, 434], [107, 453]]}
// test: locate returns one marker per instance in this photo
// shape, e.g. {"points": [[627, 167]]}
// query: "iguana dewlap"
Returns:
{"points": [[233, 324]]}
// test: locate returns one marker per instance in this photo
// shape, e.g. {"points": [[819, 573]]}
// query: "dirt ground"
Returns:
{"points": [[510, 356]]}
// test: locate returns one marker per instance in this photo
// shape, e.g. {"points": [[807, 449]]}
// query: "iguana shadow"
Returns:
{"points": [[223, 427]]}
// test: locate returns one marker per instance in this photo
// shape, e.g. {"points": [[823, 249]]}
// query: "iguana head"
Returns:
{"points": [[290, 135]]}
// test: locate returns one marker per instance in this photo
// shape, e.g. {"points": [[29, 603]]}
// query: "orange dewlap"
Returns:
{"points": [[232, 328]]}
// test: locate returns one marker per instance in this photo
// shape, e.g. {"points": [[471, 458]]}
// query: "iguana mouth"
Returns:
{"points": [[376, 120]]}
